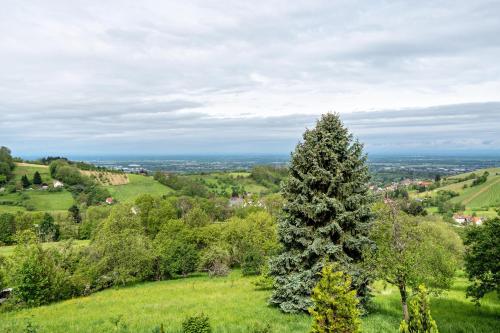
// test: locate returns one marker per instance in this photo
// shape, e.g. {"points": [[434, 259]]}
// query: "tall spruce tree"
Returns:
{"points": [[37, 179], [25, 181], [326, 216]]}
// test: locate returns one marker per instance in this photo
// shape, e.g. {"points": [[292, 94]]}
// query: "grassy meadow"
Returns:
{"points": [[27, 169], [233, 305], [137, 185]]}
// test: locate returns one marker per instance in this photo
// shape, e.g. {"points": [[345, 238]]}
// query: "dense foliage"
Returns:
{"points": [[482, 258], [196, 324], [335, 304], [6, 165], [413, 250], [326, 214], [150, 239]]}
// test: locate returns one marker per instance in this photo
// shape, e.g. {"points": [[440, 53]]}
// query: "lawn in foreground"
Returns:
{"points": [[233, 305]]}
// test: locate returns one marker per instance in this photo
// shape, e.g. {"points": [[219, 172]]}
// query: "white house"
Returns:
{"points": [[58, 184]]}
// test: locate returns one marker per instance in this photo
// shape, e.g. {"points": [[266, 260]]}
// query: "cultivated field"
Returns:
{"points": [[234, 306], [107, 178]]}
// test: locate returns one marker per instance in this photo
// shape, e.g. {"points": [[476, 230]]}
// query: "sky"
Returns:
{"points": [[215, 77]]}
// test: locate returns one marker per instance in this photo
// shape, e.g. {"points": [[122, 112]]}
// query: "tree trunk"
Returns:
{"points": [[404, 299]]}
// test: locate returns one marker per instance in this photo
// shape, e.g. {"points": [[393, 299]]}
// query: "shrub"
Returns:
{"points": [[420, 320], [335, 304], [196, 324], [215, 260], [38, 276], [265, 281], [253, 260], [7, 228]]}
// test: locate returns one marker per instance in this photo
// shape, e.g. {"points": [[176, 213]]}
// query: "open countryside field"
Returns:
{"points": [[233, 305], [39, 200], [137, 185]]}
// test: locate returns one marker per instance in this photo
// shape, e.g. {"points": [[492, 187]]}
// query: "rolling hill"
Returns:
{"points": [[482, 199]]}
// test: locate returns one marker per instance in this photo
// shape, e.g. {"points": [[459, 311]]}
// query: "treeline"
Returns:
{"points": [[150, 239], [6, 165], [183, 184], [269, 176]]}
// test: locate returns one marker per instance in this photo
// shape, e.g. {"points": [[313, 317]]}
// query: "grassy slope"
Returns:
{"points": [[29, 169], [9, 250], [233, 306], [137, 185], [478, 198], [41, 200]]}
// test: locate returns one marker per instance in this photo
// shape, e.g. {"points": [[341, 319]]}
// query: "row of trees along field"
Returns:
{"points": [[319, 253]]}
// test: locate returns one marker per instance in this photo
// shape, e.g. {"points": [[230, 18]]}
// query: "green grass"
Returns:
{"points": [[11, 209], [29, 170], [50, 201], [9, 250], [233, 305], [40, 200], [137, 185]]}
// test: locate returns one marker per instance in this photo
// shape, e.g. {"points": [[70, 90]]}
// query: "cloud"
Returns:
{"points": [[223, 76]]}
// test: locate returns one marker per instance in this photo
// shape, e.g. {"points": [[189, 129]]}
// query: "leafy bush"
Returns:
{"points": [[175, 250], [7, 228], [196, 324], [264, 281], [215, 260], [39, 276], [253, 260]]}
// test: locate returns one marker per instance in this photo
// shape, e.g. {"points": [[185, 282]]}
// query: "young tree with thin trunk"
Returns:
{"points": [[326, 216], [413, 250]]}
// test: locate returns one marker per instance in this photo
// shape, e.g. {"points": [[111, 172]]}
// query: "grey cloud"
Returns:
{"points": [[224, 73]]}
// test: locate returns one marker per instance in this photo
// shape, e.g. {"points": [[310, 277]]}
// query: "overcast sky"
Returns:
{"points": [[184, 77]]}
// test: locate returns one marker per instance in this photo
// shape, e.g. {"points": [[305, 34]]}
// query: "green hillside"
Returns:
{"points": [[43, 200], [137, 185], [482, 199], [35, 199], [233, 305]]}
